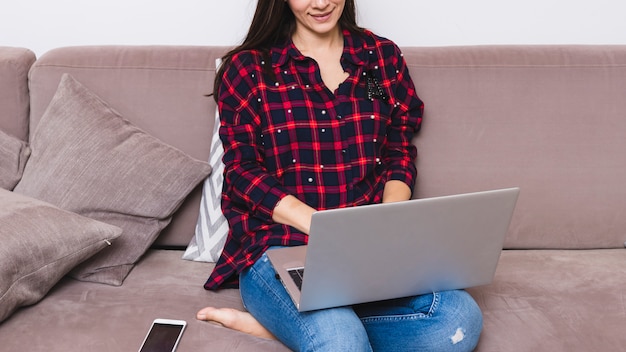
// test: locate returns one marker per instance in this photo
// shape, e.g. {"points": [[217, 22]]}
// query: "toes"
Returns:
{"points": [[205, 313], [224, 316]]}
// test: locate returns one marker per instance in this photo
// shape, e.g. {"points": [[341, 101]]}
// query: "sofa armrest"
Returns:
{"points": [[14, 97]]}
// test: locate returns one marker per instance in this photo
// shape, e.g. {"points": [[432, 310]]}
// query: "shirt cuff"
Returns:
{"points": [[403, 174], [265, 208]]}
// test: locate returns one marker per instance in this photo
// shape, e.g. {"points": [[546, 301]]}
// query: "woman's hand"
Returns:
{"points": [[293, 212]]}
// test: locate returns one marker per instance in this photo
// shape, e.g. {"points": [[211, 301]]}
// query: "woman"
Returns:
{"points": [[318, 113]]}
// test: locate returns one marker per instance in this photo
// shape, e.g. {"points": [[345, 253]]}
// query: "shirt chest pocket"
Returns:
{"points": [[374, 119]]}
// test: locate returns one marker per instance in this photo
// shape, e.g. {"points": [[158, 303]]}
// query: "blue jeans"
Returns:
{"points": [[444, 321]]}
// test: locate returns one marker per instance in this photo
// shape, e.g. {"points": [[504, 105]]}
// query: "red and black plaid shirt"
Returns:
{"points": [[290, 134]]}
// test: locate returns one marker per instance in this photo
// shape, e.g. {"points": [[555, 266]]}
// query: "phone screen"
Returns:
{"points": [[162, 338]]}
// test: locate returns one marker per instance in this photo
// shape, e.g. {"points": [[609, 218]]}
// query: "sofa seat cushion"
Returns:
{"points": [[83, 316], [555, 300], [540, 300]]}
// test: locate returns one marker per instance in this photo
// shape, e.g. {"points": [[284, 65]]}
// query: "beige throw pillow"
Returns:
{"points": [[13, 156], [40, 244], [87, 159]]}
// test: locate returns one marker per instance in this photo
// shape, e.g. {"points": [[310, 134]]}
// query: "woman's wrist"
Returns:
{"points": [[293, 212], [396, 191]]}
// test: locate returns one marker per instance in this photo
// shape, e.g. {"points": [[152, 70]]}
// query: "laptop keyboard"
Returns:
{"points": [[297, 274]]}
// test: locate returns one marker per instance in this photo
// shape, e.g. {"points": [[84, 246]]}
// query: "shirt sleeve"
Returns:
{"points": [[246, 181], [406, 120]]}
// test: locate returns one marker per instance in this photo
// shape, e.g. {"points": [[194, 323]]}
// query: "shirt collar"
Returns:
{"points": [[355, 51], [282, 53]]}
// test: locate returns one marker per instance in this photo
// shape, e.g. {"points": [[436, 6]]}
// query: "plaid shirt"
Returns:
{"points": [[290, 134]]}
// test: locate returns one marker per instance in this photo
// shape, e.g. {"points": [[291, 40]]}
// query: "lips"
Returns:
{"points": [[322, 17]]}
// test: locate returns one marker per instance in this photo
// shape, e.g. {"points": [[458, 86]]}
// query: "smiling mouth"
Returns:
{"points": [[322, 17]]}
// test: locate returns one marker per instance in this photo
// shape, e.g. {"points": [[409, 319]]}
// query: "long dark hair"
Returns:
{"points": [[274, 23]]}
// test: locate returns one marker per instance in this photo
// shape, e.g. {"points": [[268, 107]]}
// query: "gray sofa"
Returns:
{"points": [[549, 119]]}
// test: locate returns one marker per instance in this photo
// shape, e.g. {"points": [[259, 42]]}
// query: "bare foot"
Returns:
{"points": [[236, 320]]}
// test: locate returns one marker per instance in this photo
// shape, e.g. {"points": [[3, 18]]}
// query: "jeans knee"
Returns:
{"points": [[462, 321], [443, 321], [468, 310]]}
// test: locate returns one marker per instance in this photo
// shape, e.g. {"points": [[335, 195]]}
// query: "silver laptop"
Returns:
{"points": [[384, 251]]}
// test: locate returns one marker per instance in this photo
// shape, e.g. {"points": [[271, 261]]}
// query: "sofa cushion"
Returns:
{"points": [[13, 156], [547, 119], [555, 300], [82, 316], [40, 244], [87, 159]]}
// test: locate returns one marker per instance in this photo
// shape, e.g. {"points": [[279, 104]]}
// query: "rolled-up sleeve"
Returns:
{"points": [[405, 123]]}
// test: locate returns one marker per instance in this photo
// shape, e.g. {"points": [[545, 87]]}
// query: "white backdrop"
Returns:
{"points": [[44, 24]]}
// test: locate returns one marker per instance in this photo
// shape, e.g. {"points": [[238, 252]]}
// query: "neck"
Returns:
{"points": [[309, 43]]}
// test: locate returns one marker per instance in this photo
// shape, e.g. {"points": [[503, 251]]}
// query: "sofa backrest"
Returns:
{"points": [[160, 89], [14, 101], [549, 119]]}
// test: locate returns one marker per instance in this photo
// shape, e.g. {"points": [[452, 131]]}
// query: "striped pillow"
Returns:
{"points": [[212, 227]]}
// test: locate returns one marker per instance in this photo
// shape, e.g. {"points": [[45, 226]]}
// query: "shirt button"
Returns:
{"points": [[339, 117], [372, 117], [323, 112], [310, 179], [375, 140], [277, 84], [321, 166], [294, 161], [280, 131], [289, 111], [323, 130]]}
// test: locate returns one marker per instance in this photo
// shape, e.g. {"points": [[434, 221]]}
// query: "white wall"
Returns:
{"points": [[44, 24]]}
